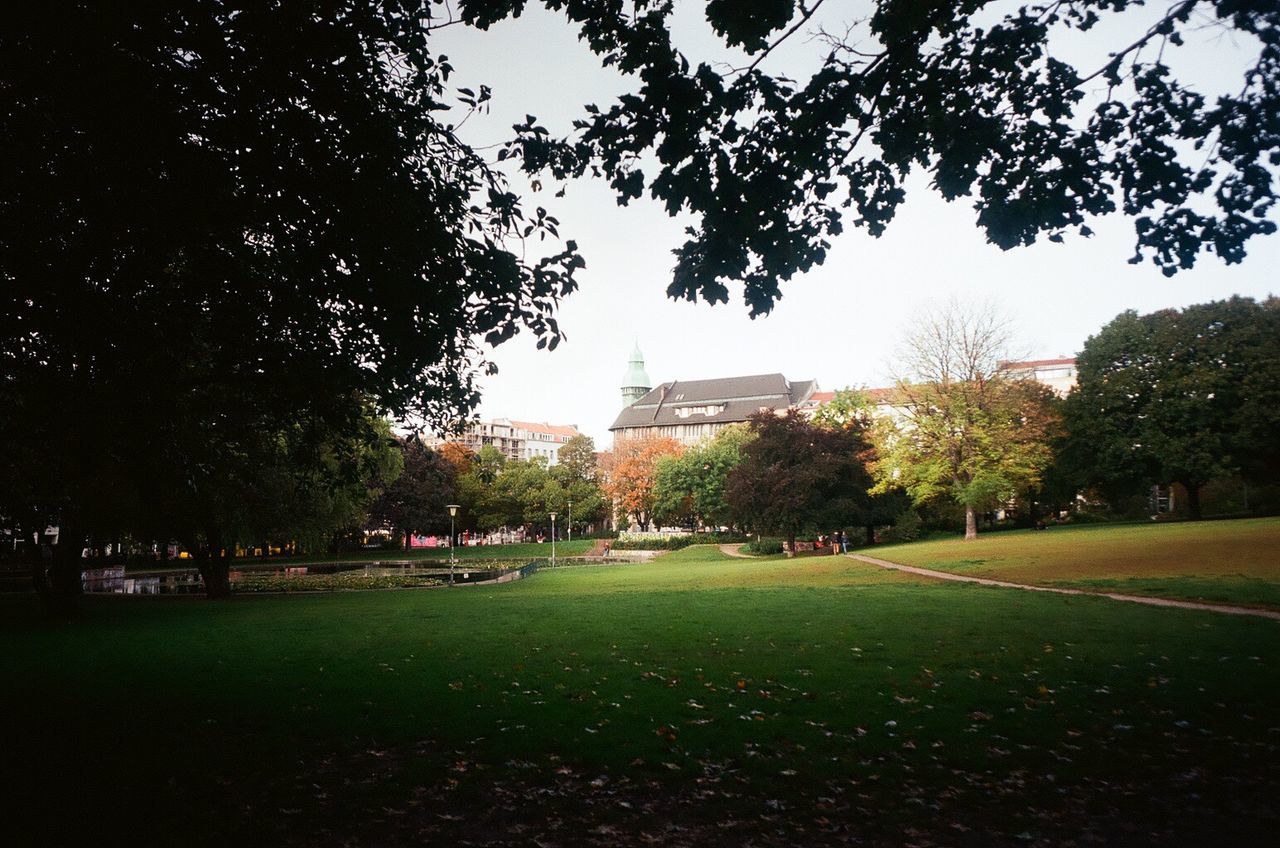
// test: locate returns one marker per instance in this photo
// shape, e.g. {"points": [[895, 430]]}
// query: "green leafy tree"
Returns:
{"points": [[587, 504], [532, 491], [1257, 441], [219, 222], [292, 485], [690, 488], [488, 504], [488, 464], [576, 460], [416, 501], [675, 479], [962, 431], [1179, 396], [577, 472], [849, 408], [796, 476]]}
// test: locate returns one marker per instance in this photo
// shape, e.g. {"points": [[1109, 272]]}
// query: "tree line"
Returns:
{"points": [[1184, 397], [492, 491]]}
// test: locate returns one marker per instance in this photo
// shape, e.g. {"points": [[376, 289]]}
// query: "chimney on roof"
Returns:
{"points": [[662, 397]]}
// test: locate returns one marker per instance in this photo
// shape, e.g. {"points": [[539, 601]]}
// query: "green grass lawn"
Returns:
{"points": [[1231, 562], [694, 700]]}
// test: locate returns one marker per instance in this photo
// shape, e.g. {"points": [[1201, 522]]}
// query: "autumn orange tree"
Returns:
{"points": [[458, 455], [630, 470]]}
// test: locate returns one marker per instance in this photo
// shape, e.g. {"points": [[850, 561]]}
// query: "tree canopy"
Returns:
{"points": [[415, 502], [223, 227], [630, 474], [796, 475], [497, 492], [963, 430], [987, 102], [577, 473], [690, 488], [1180, 396]]}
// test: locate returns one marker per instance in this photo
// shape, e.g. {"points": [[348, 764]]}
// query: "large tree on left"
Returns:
{"points": [[218, 222]]}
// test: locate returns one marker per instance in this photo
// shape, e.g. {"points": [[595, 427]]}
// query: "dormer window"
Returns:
{"points": [[709, 409]]}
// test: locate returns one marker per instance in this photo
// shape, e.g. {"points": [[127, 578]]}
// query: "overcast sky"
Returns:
{"points": [[838, 324]]}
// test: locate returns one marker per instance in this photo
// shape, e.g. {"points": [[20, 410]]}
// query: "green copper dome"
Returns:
{"points": [[635, 383]]}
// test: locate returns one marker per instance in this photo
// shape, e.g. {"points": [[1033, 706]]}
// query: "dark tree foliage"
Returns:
{"points": [[416, 502], [226, 224], [851, 409], [796, 476], [1179, 396], [773, 167]]}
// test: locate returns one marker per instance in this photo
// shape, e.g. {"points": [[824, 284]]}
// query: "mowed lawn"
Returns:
{"points": [[1231, 562], [697, 700]]}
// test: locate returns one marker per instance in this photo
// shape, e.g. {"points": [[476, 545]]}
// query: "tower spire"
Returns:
{"points": [[635, 383]]}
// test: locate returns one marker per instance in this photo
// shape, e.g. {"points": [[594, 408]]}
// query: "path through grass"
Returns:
{"points": [[1230, 562]]}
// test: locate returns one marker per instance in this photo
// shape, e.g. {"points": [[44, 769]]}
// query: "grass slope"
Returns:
{"points": [[1235, 562], [695, 700]]}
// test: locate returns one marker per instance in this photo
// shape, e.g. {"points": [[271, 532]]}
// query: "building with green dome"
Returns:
{"points": [[635, 383], [691, 411]]}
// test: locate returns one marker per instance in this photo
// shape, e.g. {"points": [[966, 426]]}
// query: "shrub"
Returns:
{"points": [[629, 542], [1083, 517], [764, 547], [906, 527], [668, 543]]}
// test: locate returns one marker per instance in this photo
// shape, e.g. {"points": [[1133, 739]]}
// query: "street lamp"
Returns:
{"points": [[453, 513], [570, 521], [553, 540]]}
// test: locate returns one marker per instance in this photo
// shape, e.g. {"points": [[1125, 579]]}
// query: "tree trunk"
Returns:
{"points": [[970, 523], [408, 541], [1193, 501], [59, 577], [871, 534], [791, 543], [215, 569]]}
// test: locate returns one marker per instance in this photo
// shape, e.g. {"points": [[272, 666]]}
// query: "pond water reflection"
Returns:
{"points": [[114, 580]]}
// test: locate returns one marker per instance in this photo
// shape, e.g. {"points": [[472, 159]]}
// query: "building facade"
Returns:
{"points": [[516, 440], [691, 411], [1058, 374]]}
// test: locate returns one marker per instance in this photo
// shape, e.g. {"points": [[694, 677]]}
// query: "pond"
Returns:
{"points": [[115, 580]]}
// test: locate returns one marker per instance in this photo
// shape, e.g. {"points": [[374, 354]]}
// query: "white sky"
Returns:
{"points": [[841, 322]]}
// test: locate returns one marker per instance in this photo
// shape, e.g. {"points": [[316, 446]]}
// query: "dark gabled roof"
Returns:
{"points": [[741, 397], [723, 388], [801, 391]]}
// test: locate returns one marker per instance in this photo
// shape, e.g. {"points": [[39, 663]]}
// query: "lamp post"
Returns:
{"points": [[453, 513], [553, 540], [570, 521]]}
